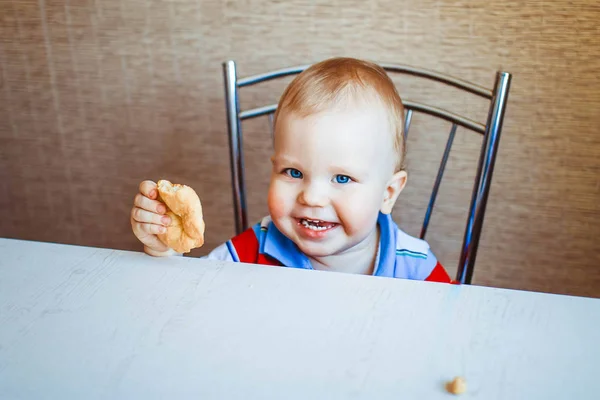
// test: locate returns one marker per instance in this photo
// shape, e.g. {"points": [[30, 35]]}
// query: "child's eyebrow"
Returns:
{"points": [[282, 160], [351, 170]]}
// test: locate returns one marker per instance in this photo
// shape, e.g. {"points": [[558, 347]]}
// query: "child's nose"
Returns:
{"points": [[313, 195]]}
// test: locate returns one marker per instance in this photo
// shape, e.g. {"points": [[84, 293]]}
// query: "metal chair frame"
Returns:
{"points": [[491, 131]]}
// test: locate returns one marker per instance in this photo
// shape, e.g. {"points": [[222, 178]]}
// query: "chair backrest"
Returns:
{"points": [[497, 96]]}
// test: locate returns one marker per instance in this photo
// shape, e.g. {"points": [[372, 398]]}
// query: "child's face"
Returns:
{"points": [[331, 176]]}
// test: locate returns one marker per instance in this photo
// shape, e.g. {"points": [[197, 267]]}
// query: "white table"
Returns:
{"points": [[87, 323]]}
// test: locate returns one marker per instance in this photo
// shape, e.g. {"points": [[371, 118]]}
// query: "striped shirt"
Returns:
{"points": [[399, 256]]}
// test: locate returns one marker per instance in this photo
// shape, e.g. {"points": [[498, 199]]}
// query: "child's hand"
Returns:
{"points": [[148, 219]]}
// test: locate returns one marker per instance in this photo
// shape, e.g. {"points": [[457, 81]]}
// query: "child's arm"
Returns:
{"points": [[430, 269], [220, 253]]}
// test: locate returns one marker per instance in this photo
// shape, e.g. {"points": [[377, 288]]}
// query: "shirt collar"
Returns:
{"points": [[281, 248], [387, 246]]}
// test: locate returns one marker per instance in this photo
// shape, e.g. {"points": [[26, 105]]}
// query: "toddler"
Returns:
{"points": [[338, 168]]}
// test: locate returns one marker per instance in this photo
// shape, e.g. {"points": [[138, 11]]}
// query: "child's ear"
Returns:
{"points": [[392, 191]]}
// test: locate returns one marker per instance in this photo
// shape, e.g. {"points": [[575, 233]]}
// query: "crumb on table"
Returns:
{"points": [[457, 386]]}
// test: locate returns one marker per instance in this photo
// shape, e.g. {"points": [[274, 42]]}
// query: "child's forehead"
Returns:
{"points": [[347, 109], [366, 119], [338, 133]]}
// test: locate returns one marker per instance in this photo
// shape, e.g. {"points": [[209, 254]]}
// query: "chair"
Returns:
{"points": [[491, 130]]}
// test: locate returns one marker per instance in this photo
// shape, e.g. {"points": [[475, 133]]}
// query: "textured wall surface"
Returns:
{"points": [[97, 95]]}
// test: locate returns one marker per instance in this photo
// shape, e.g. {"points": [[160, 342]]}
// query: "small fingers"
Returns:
{"points": [[144, 216], [148, 204], [146, 233], [154, 243], [152, 229], [149, 189], [143, 229]]}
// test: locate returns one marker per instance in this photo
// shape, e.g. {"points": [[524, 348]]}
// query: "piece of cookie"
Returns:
{"points": [[457, 386], [186, 231]]}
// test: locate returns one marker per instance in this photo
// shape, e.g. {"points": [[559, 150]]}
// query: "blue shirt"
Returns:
{"points": [[399, 256]]}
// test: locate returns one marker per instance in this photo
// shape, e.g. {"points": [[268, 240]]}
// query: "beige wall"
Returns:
{"points": [[99, 95]]}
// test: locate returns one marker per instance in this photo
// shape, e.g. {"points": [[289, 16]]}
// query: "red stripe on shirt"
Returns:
{"points": [[264, 259], [246, 246], [439, 274]]}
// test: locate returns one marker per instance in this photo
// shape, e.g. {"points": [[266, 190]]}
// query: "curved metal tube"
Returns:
{"points": [[267, 76], [403, 69], [438, 181], [443, 78], [407, 121], [483, 178], [236, 153], [447, 115], [258, 112], [409, 105]]}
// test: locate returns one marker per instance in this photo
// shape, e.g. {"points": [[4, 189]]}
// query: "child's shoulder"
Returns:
{"points": [[410, 245], [403, 243], [414, 258]]}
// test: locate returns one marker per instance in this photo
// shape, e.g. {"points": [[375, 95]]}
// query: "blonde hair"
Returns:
{"points": [[330, 82]]}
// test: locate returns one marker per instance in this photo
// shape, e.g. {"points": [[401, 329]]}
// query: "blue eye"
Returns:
{"points": [[342, 179], [294, 173]]}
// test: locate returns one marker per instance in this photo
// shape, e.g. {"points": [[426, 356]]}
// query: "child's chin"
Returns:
{"points": [[316, 251]]}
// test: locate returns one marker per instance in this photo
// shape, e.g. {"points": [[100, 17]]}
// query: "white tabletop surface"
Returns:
{"points": [[88, 323]]}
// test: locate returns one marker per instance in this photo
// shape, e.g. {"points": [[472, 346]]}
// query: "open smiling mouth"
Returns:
{"points": [[315, 224]]}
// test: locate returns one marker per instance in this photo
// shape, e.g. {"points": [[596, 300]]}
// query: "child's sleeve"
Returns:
{"points": [[241, 248], [439, 274], [220, 253], [437, 271]]}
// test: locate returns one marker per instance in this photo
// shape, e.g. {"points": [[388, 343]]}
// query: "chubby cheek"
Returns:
{"points": [[358, 213], [278, 201]]}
